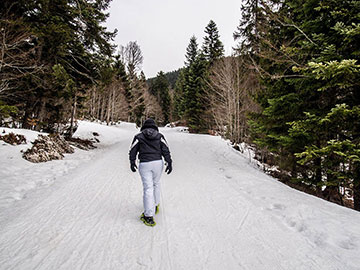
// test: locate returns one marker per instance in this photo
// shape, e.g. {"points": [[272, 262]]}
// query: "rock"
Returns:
{"points": [[237, 148]]}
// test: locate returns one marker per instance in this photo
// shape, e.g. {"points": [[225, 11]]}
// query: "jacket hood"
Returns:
{"points": [[149, 123], [150, 133]]}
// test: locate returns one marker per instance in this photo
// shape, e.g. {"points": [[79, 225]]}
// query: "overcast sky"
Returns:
{"points": [[163, 28]]}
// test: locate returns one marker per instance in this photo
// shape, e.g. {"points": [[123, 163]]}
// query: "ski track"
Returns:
{"points": [[216, 212]]}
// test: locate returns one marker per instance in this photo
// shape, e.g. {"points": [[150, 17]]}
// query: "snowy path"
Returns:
{"points": [[217, 212]]}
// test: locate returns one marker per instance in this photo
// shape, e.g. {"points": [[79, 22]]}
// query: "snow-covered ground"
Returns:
{"points": [[217, 212]]}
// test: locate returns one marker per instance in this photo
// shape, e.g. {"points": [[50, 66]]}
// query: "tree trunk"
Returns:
{"points": [[356, 187], [113, 106], [318, 176], [73, 112], [102, 111], [40, 115], [108, 108], [93, 102], [357, 198], [98, 110], [25, 122]]}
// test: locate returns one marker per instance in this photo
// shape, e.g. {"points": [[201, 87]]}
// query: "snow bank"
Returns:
{"points": [[107, 134], [30, 135], [18, 177]]}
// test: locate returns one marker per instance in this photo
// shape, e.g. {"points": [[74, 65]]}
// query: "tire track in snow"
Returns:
{"points": [[115, 209], [94, 231], [75, 223], [39, 212], [164, 221], [243, 220], [100, 230]]}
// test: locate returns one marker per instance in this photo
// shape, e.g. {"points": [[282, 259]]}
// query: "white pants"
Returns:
{"points": [[150, 173]]}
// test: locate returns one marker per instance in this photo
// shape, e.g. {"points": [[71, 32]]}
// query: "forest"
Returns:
{"points": [[290, 91]]}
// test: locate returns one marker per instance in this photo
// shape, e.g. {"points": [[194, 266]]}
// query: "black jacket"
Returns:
{"points": [[150, 144]]}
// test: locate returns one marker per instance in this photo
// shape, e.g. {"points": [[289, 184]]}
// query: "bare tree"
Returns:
{"points": [[121, 53], [231, 87], [133, 58], [19, 56], [152, 107], [107, 103], [124, 99]]}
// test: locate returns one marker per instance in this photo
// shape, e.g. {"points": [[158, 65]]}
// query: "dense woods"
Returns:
{"points": [[290, 90], [50, 56], [306, 56], [58, 64]]}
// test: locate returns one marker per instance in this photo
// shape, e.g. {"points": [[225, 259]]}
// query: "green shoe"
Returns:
{"points": [[149, 221], [157, 209]]}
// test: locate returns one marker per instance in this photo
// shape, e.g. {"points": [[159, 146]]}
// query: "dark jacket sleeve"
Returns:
{"points": [[165, 152], [134, 149]]}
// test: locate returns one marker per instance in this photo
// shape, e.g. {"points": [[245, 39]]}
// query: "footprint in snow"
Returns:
{"points": [[278, 206], [145, 261], [347, 244]]}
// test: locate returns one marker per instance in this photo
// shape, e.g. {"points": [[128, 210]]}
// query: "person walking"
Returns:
{"points": [[151, 146]]}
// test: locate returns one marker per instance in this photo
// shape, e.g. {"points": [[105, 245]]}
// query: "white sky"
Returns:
{"points": [[163, 28]]}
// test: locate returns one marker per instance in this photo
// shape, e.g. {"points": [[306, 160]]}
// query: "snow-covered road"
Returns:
{"points": [[217, 212]]}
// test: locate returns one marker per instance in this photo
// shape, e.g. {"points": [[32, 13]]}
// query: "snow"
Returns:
{"points": [[217, 212]]}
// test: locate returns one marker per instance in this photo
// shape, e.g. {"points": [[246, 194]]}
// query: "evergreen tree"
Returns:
{"points": [[212, 47], [212, 50], [66, 33], [247, 31], [179, 105], [194, 92], [161, 88], [121, 75], [182, 94], [139, 100], [307, 59], [191, 52], [7, 111], [172, 77]]}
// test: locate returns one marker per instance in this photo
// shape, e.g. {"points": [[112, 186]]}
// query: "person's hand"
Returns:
{"points": [[133, 166], [168, 169]]}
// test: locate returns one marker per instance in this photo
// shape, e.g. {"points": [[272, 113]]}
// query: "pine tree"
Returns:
{"points": [[138, 102], [282, 99], [67, 33], [212, 47], [191, 52], [247, 31], [121, 75], [194, 92], [306, 57], [331, 73], [179, 105], [161, 88], [182, 97]]}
